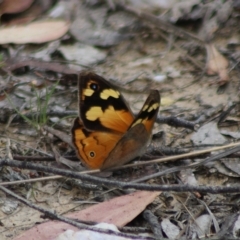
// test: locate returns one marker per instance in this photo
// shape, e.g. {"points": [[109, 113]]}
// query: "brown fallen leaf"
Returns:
{"points": [[118, 211], [216, 64], [35, 32], [14, 6], [37, 8]]}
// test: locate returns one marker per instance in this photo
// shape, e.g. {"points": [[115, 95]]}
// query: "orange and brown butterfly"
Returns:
{"points": [[107, 134]]}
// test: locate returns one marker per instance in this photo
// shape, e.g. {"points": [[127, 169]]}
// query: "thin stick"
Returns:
{"points": [[43, 178], [124, 185], [180, 156], [166, 159]]}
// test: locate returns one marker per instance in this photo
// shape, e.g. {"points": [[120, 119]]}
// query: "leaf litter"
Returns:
{"points": [[127, 46]]}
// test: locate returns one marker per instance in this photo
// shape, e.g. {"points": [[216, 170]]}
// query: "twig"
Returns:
{"points": [[166, 159], [153, 222], [124, 185], [177, 122], [55, 177], [180, 156], [191, 165]]}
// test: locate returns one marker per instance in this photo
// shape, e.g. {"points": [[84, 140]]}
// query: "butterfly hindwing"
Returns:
{"points": [[92, 147], [148, 114], [131, 145], [134, 142]]}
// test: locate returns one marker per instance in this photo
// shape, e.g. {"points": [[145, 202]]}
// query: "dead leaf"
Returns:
{"points": [[208, 134], [82, 54], [232, 167], [118, 211], [89, 28], [220, 168], [14, 6], [225, 11], [169, 228], [36, 32], [236, 227], [216, 64], [31, 13], [201, 226], [187, 177], [235, 135]]}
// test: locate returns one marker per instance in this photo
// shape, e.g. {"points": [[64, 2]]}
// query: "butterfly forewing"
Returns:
{"points": [[102, 107]]}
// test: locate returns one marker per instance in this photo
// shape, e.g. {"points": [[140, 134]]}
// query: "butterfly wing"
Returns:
{"points": [[134, 142], [92, 147], [102, 107]]}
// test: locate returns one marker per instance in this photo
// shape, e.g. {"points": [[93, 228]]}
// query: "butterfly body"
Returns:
{"points": [[107, 134]]}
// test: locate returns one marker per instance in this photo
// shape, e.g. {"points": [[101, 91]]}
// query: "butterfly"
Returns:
{"points": [[107, 134]]}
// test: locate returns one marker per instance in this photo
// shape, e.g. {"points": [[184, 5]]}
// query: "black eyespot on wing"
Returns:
{"points": [[94, 86], [92, 154]]}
